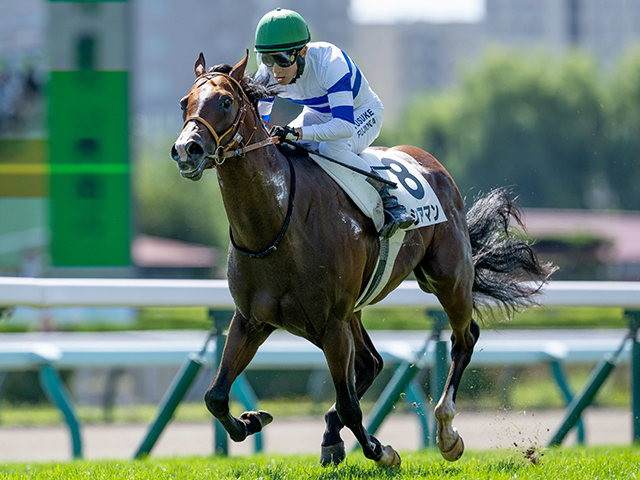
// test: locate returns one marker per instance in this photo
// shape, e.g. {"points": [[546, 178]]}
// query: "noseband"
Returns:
{"points": [[235, 146]]}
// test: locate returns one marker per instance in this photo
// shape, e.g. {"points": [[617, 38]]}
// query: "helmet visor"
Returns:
{"points": [[282, 59]]}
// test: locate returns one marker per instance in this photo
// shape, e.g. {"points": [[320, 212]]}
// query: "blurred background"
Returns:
{"points": [[539, 95]]}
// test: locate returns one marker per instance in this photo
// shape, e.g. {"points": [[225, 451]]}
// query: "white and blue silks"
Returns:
{"points": [[340, 111]]}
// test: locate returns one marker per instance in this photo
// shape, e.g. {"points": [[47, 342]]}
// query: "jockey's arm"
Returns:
{"points": [[334, 129]]}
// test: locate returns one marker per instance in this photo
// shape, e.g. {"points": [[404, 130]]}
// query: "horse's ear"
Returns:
{"points": [[238, 71], [200, 65]]}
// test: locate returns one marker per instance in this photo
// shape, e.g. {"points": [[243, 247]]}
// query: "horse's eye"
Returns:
{"points": [[183, 103], [226, 102]]}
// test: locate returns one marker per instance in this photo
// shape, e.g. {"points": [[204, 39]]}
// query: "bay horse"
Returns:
{"points": [[301, 253]]}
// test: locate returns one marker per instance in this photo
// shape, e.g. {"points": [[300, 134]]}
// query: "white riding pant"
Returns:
{"points": [[368, 125]]}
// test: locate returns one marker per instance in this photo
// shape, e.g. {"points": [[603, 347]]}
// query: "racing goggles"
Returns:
{"points": [[282, 59]]}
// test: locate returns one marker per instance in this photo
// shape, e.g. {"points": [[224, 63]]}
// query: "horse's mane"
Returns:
{"points": [[254, 90]]}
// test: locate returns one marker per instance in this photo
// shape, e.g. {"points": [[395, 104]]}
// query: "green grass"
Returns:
{"points": [[608, 463]]}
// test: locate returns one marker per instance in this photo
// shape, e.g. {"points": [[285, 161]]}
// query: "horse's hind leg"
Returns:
{"points": [[339, 350], [452, 282], [241, 346], [462, 343], [368, 364]]}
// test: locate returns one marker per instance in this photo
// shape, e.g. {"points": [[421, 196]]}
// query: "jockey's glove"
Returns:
{"points": [[284, 133]]}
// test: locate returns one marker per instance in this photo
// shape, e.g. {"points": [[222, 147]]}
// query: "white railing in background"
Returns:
{"points": [[60, 292]]}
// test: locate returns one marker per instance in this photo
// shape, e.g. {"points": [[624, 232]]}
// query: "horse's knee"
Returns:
{"points": [[217, 403]]}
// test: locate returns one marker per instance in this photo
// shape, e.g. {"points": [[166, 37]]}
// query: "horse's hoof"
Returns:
{"points": [[332, 455], [455, 452], [389, 458], [256, 421]]}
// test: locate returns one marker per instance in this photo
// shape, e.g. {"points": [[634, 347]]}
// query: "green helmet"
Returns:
{"points": [[281, 30]]}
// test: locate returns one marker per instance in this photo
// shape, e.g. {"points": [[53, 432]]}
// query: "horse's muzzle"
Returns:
{"points": [[190, 158]]}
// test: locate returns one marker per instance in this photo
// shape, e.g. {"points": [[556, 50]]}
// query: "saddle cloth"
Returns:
{"points": [[413, 192]]}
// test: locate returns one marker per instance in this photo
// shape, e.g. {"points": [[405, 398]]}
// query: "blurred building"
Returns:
{"points": [[22, 29], [587, 244], [604, 28], [405, 59], [399, 60], [168, 37]]}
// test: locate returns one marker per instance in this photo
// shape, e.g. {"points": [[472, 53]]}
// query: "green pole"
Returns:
{"points": [[175, 393], [558, 374], [417, 399], [635, 373], [584, 398], [57, 393], [390, 395]]}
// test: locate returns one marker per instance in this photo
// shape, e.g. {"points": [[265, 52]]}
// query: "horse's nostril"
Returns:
{"points": [[194, 149], [174, 153]]}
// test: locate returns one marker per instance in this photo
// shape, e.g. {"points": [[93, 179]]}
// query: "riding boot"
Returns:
{"points": [[395, 215]]}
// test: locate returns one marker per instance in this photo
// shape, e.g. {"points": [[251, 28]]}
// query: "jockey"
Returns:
{"points": [[340, 111]]}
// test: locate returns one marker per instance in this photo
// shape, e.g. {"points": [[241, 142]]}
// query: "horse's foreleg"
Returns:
{"points": [[447, 437], [241, 346], [368, 364], [338, 347]]}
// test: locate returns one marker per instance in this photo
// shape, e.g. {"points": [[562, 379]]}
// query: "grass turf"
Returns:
{"points": [[577, 463]]}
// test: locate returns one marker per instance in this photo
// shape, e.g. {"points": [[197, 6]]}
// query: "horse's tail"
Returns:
{"points": [[507, 271]]}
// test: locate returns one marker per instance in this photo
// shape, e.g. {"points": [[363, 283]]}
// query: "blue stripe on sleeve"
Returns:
{"points": [[344, 112], [356, 86], [324, 109], [342, 85], [310, 101]]}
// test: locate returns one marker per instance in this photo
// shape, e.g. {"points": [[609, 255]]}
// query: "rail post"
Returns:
{"points": [[58, 394], [397, 386], [170, 401], [581, 401], [556, 369]]}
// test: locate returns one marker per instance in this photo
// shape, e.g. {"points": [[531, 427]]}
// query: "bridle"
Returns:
{"points": [[235, 147]]}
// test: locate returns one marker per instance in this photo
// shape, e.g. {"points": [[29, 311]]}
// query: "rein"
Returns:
{"points": [[235, 148]]}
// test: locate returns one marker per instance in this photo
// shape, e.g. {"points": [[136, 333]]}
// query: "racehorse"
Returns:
{"points": [[301, 253]]}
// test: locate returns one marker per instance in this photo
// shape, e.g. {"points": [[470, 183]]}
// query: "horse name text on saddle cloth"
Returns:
{"points": [[413, 192]]}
